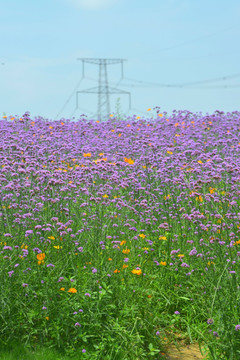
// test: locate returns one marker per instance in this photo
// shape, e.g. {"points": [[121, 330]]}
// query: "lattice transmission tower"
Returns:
{"points": [[103, 89]]}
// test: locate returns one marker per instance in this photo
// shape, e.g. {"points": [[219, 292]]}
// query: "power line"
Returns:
{"points": [[63, 107], [144, 83]]}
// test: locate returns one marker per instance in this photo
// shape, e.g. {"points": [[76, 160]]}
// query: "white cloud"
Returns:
{"points": [[93, 4]]}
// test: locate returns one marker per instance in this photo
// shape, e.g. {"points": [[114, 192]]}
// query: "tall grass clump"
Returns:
{"points": [[117, 236]]}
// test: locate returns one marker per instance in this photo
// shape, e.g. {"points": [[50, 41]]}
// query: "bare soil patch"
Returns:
{"points": [[185, 352]]}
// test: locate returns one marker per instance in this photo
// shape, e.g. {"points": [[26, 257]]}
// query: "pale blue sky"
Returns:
{"points": [[164, 41]]}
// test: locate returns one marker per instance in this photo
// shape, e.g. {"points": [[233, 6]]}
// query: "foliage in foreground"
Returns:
{"points": [[116, 235]]}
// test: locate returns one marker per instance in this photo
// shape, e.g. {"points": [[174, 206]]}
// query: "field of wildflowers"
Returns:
{"points": [[117, 235]]}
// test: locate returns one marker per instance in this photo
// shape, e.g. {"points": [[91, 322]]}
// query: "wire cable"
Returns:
{"points": [[75, 89], [223, 78]]}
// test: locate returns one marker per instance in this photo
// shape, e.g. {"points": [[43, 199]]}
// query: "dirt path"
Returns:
{"points": [[187, 352]]}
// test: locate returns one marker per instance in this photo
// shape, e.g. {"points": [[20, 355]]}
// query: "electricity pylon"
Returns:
{"points": [[103, 89]]}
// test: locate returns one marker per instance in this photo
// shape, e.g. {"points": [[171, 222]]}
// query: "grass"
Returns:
{"points": [[118, 236]]}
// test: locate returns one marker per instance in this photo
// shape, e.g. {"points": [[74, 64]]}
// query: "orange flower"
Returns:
{"points": [[62, 289], [72, 290], [87, 154], [163, 263], [124, 266], [123, 242], [126, 251], [109, 259], [41, 256], [116, 271], [129, 161], [47, 318]]}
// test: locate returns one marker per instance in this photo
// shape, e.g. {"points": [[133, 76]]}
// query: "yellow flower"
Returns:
{"points": [[180, 255], [162, 238], [58, 247], [210, 263], [87, 154], [167, 197], [142, 236], [51, 237], [137, 271], [105, 196], [72, 290], [126, 251]]}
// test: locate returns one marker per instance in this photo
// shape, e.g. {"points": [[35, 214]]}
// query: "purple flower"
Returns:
{"points": [[24, 285], [84, 350], [210, 321], [237, 327], [44, 308], [10, 273], [193, 252], [157, 333], [48, 265], [176, 312], [94, 270], [80, 249], [77, 324], [87, 294], [60, 279], [7, 248]]}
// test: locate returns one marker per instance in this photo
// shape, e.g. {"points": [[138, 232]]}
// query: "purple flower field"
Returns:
{"points": [[116, 235]]}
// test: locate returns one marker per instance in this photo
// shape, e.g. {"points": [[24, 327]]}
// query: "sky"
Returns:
{"points": [[178, 55]]}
